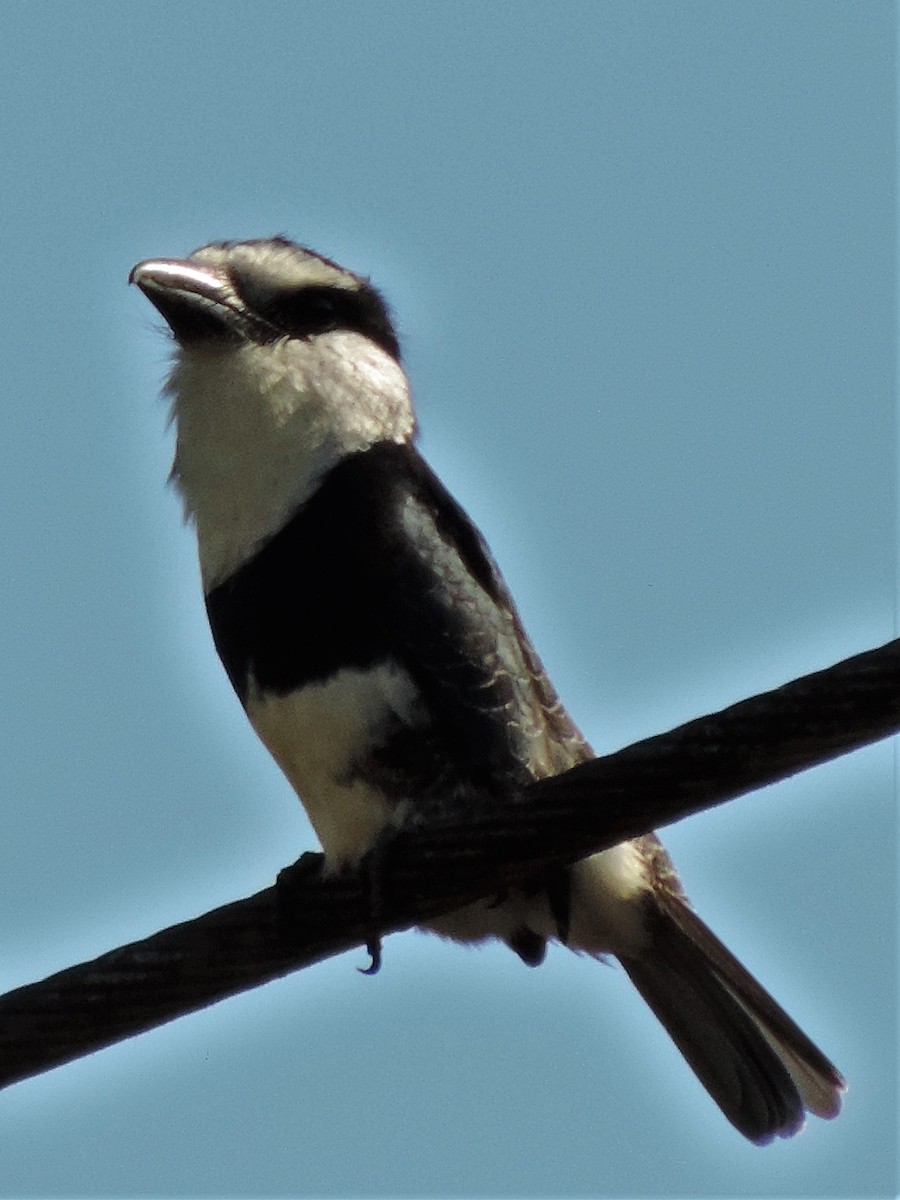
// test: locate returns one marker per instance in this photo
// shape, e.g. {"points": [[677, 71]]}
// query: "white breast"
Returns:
{"points": [[260, 426], [321, 733]]}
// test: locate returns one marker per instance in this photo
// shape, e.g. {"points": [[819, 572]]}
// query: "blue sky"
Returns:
{"points": [[642, 259]]}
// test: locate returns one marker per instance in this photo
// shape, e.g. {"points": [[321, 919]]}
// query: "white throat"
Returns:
{"points": [[260, 425]]}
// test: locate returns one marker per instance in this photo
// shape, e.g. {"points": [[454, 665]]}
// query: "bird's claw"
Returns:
{"points": [[373, 949]]}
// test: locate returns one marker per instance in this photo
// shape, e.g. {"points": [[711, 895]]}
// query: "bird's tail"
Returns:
{"points": [[756, 1063]]}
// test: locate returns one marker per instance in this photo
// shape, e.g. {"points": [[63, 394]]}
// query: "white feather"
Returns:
{"points": [[320, 734], [259, 426]]}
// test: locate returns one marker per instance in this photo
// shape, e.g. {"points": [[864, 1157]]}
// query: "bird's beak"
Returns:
{"points": [[196, 301], [174, 274]]}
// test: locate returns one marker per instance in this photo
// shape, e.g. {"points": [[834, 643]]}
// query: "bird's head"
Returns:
{"points": [[285, 364]]}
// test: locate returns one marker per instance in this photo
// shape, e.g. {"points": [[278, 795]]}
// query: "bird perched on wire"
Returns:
{"points": [[379, 656]]}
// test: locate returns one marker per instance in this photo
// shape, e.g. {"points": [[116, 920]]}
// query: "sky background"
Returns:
{"points": [[642, 258]]}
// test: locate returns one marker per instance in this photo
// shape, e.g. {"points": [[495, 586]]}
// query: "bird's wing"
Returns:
{"points": [[453, 624]]}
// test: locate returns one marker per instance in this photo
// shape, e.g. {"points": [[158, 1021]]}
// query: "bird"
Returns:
{"points": [[379, 656]]}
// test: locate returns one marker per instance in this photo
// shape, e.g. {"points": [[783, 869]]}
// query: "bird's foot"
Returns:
{"points": [[292, 896], [290, 892], [373, 876]]}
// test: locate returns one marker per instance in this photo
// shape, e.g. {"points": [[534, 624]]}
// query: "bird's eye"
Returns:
{"points": [[321, 307], [309, 310], [302, 312]]}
